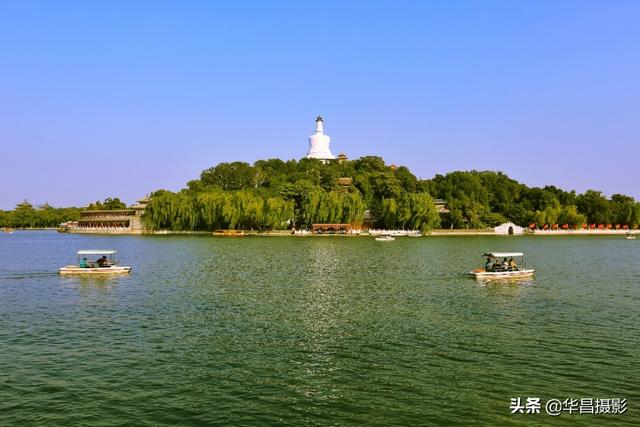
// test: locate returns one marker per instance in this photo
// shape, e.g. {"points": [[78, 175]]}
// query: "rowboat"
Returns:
{"points": [[106, 264], [385, 238], [508, 268]]}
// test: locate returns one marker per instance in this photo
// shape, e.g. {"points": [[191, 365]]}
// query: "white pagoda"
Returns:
{"points": [[319, 144]]}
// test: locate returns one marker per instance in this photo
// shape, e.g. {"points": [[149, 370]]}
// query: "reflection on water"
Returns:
{"points": [[508, 282], [90, 284], [312, 331], [322, 329]]}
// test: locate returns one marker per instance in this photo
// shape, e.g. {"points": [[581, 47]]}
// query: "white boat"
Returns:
{"points": [[630, 236], [508, 268], [385, 238], [106, 264]]}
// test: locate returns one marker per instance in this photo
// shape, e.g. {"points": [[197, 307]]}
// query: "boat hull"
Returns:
{"points": [[75, 270], [481, 274]]}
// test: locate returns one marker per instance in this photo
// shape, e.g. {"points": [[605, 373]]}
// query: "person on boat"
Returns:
{"points": [[102, 262], [488, 266], [512, 265], [83, 263], [505, 264]]}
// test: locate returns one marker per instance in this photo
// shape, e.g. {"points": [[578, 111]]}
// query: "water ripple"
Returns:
{"points": [[312, 331]]}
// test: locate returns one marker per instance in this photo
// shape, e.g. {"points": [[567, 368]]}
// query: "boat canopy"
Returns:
{"points": [[502, 254], [97, 252]]}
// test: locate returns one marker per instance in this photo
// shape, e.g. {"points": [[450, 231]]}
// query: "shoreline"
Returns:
{"points": [[287, 233]]}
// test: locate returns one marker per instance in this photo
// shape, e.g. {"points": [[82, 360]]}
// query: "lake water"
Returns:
{"points": [[314, 331]]}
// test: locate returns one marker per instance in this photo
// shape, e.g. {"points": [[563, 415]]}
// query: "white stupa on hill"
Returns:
{"points": [[319, 144]]}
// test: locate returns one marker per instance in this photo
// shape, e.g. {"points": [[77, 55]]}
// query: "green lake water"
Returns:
{"points": [[314, 331]]}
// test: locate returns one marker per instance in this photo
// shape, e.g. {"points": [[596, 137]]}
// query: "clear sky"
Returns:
{"points": [[120, 98]]}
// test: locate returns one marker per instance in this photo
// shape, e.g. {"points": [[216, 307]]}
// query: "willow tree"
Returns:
{"points": [[424, 215], [415, 211], [319, 206], [185, 214], [277, 213], [388, 214], [210, 209], [570, 215], [158, 212], [333, 203], [243, 210], [353, 207], [171, 210], [249, 207]]}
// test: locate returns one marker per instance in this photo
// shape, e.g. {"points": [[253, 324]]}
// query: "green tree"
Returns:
{"points": [[175, 211], [569, 215], [24, 215], [423, 213], [406, 179], [278, 213], [595, 206], [273, 194], [230, 176], [624, 210], [369, 164], [108, 204]]}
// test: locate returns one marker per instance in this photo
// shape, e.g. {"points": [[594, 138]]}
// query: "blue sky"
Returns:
{"points": [[119, 99]]}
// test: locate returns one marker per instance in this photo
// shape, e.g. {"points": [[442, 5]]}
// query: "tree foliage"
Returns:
{"points": [[26, 216], [274, 194], [277, 194], [482, 199], [108, 204]]}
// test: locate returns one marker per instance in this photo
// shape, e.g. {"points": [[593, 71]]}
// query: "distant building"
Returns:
{"points": [[508, 228], [368, 220], [117, 221], [319, 144], [441, 206], [331, 228]]}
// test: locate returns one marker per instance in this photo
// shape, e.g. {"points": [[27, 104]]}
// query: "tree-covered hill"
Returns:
{"points": [[488, 198], [277, 194], [274, 194]]}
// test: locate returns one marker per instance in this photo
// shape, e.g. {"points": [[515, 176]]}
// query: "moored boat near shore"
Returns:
{"points": [[395, 233], [385, 238]]}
